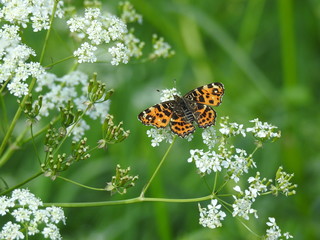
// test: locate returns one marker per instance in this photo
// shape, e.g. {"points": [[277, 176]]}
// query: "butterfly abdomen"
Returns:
{"points": [[184, 109]]}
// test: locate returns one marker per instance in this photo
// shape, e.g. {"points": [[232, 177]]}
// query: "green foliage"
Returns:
{"points": [[266, 55]]}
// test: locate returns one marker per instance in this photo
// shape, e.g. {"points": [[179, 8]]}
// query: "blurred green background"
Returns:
{"points": [[266, 53]]}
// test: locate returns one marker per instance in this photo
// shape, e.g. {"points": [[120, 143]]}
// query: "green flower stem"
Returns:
{"points": [[59, 61], [4, 114], [128, 201], [215, 182], [81, 185], [25, 98], [49, 31], [158, 167], [12, 148], [22, 183], [14, 121], [4, 85]]}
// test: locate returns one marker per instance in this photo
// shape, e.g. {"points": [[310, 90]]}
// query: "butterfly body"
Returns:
{"points": [[182, 112]]}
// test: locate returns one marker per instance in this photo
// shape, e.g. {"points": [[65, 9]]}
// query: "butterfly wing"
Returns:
{"points": [[205, 115], [180, 126], [158, 115], [210, 94]]}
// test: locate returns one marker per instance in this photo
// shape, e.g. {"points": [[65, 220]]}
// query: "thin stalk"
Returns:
{"points": [[128, 201], [22, 183], [4, 114], [4, 85], [215, 182], [34, 145], [13, 147], [48, 32], [157, 169], [59, 61], [81, 185]]}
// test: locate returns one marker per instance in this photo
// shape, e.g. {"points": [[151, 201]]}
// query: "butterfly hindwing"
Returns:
{"points": [[180, 126], [210, 94], [206, 116]]}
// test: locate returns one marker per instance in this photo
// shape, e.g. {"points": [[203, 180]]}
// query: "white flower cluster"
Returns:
{"points": [[236, 161], [160, 48], [264, 130], [283, 184], [206, 162], [168, 94], [57, 92], [211, 216], [36, 12], [231, 129], [242, 205], [28, 218], [274, 232], [96, 28], [129, 14], [209, 137], [158, 135], [15, 69]]}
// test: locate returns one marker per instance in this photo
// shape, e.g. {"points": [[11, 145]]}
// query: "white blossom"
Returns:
{"points": [[231, 129], [209, 137], [5, 204], [13, 61], [283, 183], [158, 135], [168, 94], [11, 231], [35, 12], [129, 14], [160, 48], [206, 162], [211, 216], [264, 130], [119, 53], [86, 53], [29, 217], [274, 232], [242, 208], [18, 88], [51, 231], [21, 214]]}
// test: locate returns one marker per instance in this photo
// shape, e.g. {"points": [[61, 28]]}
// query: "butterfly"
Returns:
{"points": [[182, 112]]}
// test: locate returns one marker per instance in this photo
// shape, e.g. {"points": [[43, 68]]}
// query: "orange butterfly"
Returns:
{"points": [[183, 111]]}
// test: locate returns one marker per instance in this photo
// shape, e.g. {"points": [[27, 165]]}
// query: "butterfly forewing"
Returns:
{"points": [[158, 115], [210, 94]]}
